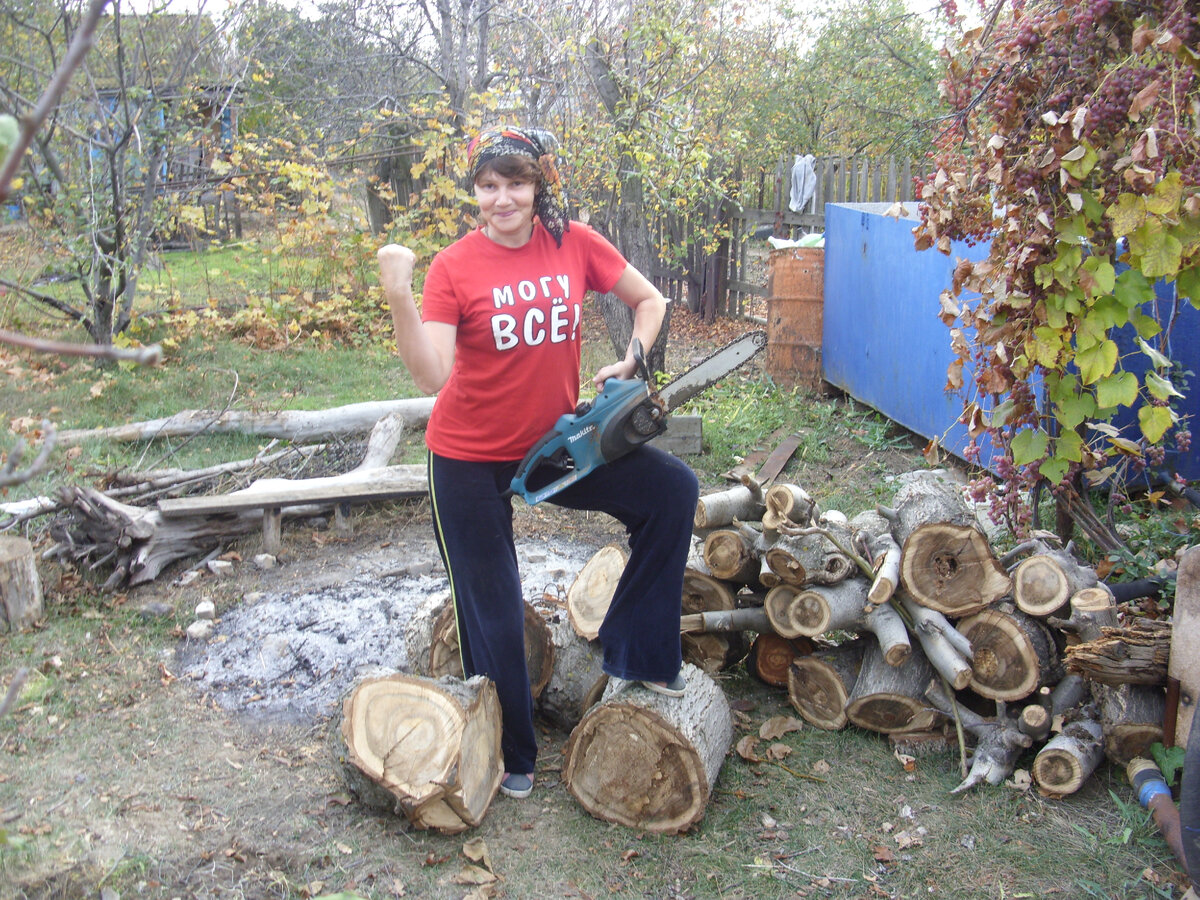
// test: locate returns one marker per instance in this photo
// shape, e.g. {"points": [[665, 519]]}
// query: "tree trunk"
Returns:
{"points": [[1068, 759], [431, 749], [1014, 654], [293, 425], [592, 591], [819, 685], [1131, 716], [889, 698], [1044, 583], [647, 761], [20, 586]]}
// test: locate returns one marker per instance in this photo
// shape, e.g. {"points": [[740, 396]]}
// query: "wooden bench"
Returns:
{"points": [[389, 483]]}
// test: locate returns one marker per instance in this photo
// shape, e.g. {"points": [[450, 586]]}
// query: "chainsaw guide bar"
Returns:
{"points": [[712, 369]]}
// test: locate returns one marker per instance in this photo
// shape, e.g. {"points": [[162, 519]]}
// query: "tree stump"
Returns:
{"points": [[427, 749], [592, 591], [1044, 583], [771, 656], [819, 685], [577, 679], [1131, 717], [648, 761], [1068, 759], [891, 699], [1014, 654], [20, 587]]}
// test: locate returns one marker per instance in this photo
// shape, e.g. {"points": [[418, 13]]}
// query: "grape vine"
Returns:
{"points": [[1073, 149]]}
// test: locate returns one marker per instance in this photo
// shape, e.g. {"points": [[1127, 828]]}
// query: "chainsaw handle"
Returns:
{"points": [[532, 455]]}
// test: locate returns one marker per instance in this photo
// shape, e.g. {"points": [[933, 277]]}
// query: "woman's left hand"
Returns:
{"points": [[626, 369]]}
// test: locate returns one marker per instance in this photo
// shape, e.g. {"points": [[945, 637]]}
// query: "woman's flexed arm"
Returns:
{"points": [[426, 348]]}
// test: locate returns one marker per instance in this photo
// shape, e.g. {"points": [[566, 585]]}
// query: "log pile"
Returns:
{"points": [[903, 620]]}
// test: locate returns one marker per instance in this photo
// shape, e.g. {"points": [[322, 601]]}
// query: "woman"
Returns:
{"points": [[498, 339]]}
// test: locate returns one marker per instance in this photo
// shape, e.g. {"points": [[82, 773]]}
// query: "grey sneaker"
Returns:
{"points": [[516, 785], [675, 688]]}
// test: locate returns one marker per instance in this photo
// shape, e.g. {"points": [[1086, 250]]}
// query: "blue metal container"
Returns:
{"points": [[884, 345]]}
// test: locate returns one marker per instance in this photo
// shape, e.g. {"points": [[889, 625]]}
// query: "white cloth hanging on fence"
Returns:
{"points": [[804, 182]]}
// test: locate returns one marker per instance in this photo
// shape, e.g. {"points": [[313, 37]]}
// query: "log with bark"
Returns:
{"points": [[743, 502], [771, 656], [889, 698], [711, 651], [946, 562], [1131, 719], [734, 555], [788, 503], [1014, 654], [999, 741], [21, 599], [577, 679], [815, 610], [1091, 610], [429, 750], [947, 649], [1137, 653], [819, 684], [648, 761], [1068, 759]]}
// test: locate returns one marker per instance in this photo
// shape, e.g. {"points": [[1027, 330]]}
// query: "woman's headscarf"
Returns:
{"points": [[550, 202]]}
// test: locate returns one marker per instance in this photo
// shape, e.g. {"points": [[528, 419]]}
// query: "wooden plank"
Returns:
{"points": [[388, 483], [1184, 663]]}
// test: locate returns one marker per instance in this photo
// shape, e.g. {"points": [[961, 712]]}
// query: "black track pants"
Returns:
{"points": [[650, 492]]}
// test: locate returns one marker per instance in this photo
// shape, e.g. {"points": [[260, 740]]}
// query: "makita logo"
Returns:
{"points": [[573, 438]]}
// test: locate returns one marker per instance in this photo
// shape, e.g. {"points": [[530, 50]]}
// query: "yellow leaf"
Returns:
{"points": [[1127, 214]]}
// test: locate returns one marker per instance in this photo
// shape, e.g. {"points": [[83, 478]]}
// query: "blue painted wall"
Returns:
{"points": [[883, 342]]}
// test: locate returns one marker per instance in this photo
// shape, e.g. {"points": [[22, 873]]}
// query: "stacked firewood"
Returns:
{"points": [[902, 620]]}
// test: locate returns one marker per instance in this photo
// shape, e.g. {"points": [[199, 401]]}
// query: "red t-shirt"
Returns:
{"points": [[517, 350]]}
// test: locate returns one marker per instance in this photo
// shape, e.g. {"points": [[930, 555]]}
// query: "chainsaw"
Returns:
{"points": [[626, 413]]}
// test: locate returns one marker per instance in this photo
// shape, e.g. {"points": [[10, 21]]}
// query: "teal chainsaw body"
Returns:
{"points": [[623, 416]]}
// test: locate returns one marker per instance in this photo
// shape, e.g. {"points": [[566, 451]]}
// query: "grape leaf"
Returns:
{"points": [[1029, 444], [1155, 420]]}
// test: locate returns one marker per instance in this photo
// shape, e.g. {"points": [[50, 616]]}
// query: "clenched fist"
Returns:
{"points": [[395, 267]]}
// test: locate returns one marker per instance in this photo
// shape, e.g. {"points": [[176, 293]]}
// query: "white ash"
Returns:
{"points": [[294, 654]]}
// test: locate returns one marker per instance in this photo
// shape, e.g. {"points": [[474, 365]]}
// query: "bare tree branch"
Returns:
{"points": [[8, 474], [145, 356]]}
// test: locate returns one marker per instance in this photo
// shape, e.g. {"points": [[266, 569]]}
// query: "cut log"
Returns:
{"points": [[999, 741], [21, 601], [440, 656], [577, 679], [750, 618], [1184, 666], [430, 749], [1138, 653], [788, 503], [730, 555], [647, 761], [1131, 716], [819, 685], [1044, 583], [926, 501], [1035, 721], [1068, 759], [891, 699], [1092, 609], [592, 591], [771, 656], [815, 610], [887, 558], [810, 557], [710, 651], [743, 502], [293, 425], [951, 568], [1014, 654], [947, 649]]}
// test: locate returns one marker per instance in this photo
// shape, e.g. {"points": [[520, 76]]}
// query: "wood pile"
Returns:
{"points": [[904, 620]]}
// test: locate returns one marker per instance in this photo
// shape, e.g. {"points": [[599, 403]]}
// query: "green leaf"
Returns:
{"points": [[1029, 444], [1156, 359], [1146, 326], [1097, 361], [1187, 283], [1103, 272], [1117, 390], [1133, 288], [1054, 469], [1160, 387], [1002, 412], [1159, 251], [1076, 410], [1155, 420], [1079, 161], [1073, 229], [1068, 446], [1168, 194]]}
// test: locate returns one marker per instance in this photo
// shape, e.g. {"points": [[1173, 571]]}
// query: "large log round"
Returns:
{"points": [[1044, 583], [951, 568], [1064, 764], [771, 657], [444, 657], [592, 591], [819, 685], [649, 761], [1014, 654], [20, 587], [891, 699], [429, 749]]}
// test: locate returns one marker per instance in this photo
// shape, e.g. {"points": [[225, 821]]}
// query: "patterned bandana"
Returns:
{"points": [[550, 202]]}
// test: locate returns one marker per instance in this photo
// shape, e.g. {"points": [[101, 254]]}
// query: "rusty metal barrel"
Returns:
{"points": [[795, 312]]}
